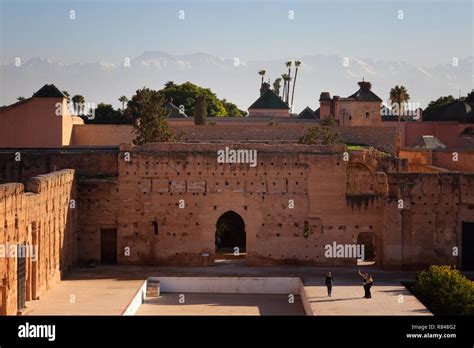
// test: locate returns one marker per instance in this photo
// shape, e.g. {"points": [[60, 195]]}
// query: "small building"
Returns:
{"points": [[43, 120], [269, 104], [308, 114], [359, 109], [428, 142]]}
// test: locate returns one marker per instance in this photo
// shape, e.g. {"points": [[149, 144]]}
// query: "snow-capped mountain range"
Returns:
{"points": [[235, 79]]}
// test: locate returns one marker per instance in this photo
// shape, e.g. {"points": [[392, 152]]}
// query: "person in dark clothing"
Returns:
{"points": [[368, 281], [329, 283], [369, 284]]}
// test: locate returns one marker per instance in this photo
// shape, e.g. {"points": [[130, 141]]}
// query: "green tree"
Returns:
{"points": [[200, 110], [187, 93], [435, 109], [232, 109], [170, 84], [277, 86], [123, 99], [445, 291], [297, 65], [319, 135], [148, 109], [329, 121], [106, 114]]}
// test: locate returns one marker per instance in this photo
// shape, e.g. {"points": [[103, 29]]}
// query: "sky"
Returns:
{"points": [[430, 32]]}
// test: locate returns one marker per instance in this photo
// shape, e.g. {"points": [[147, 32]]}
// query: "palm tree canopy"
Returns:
{"points": [[399, 94], [262, 72], [123, 99], [289, 64], [78, 99], [297, 63]]}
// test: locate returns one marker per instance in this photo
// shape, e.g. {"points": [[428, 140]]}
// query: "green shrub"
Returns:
{"points": [[445, 291], [320, 136]]}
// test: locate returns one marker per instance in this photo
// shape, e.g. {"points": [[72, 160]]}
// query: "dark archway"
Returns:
{"points": [[368, 240], [230, 233]]}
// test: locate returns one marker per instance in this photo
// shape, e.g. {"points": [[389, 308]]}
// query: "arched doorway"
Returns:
{"points": [[230, 239], [368, 240]]}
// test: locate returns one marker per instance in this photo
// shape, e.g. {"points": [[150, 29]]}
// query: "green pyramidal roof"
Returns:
{"points": [[49, 91], [365, 93], [269, 100]]}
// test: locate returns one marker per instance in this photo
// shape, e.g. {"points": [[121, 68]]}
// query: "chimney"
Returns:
{"points": [[324, 105]]}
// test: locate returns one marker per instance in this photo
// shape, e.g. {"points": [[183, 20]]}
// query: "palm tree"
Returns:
{"points": [[123, 99], [399, 96], [288, 65], [286, 85], [262, 74], [277, 86], [297, 65], [78, 99], [66, 93]]}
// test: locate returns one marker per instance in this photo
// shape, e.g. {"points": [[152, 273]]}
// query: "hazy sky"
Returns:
{"points": [[431, 32]]}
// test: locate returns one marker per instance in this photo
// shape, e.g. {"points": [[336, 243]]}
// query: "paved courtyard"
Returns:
{"points": [[107, 290]]}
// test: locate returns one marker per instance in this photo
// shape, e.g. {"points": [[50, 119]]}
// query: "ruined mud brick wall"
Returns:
{"points": [[98, 200], [92, 162], [464, 163], [42, 217], [275, 130], [429, 226], [382, 138], [150, 186], [421, 161]]}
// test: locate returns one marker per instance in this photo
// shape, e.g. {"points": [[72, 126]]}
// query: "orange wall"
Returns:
{"points": [[447, 132], [421, 161], [102, 135], [33, 123]]}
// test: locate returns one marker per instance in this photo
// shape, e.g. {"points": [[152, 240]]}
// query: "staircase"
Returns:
{"points": [[152, 288]]}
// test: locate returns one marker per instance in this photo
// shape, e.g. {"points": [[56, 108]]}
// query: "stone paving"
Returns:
{"points": [[107, 290]]}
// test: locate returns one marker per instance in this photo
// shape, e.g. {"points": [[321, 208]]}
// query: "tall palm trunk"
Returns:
{"points": [[288, 88], [283, 95], [293, 91]]}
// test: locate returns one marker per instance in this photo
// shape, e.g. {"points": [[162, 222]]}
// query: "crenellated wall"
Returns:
{"points": [[42, 219]]}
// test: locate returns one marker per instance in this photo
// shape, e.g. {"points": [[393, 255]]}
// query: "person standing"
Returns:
{"points": [[329, 282], [365, 277], [369, 284]]}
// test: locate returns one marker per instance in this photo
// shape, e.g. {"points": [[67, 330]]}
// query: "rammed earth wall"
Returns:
{"points": [[41, 218]]}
